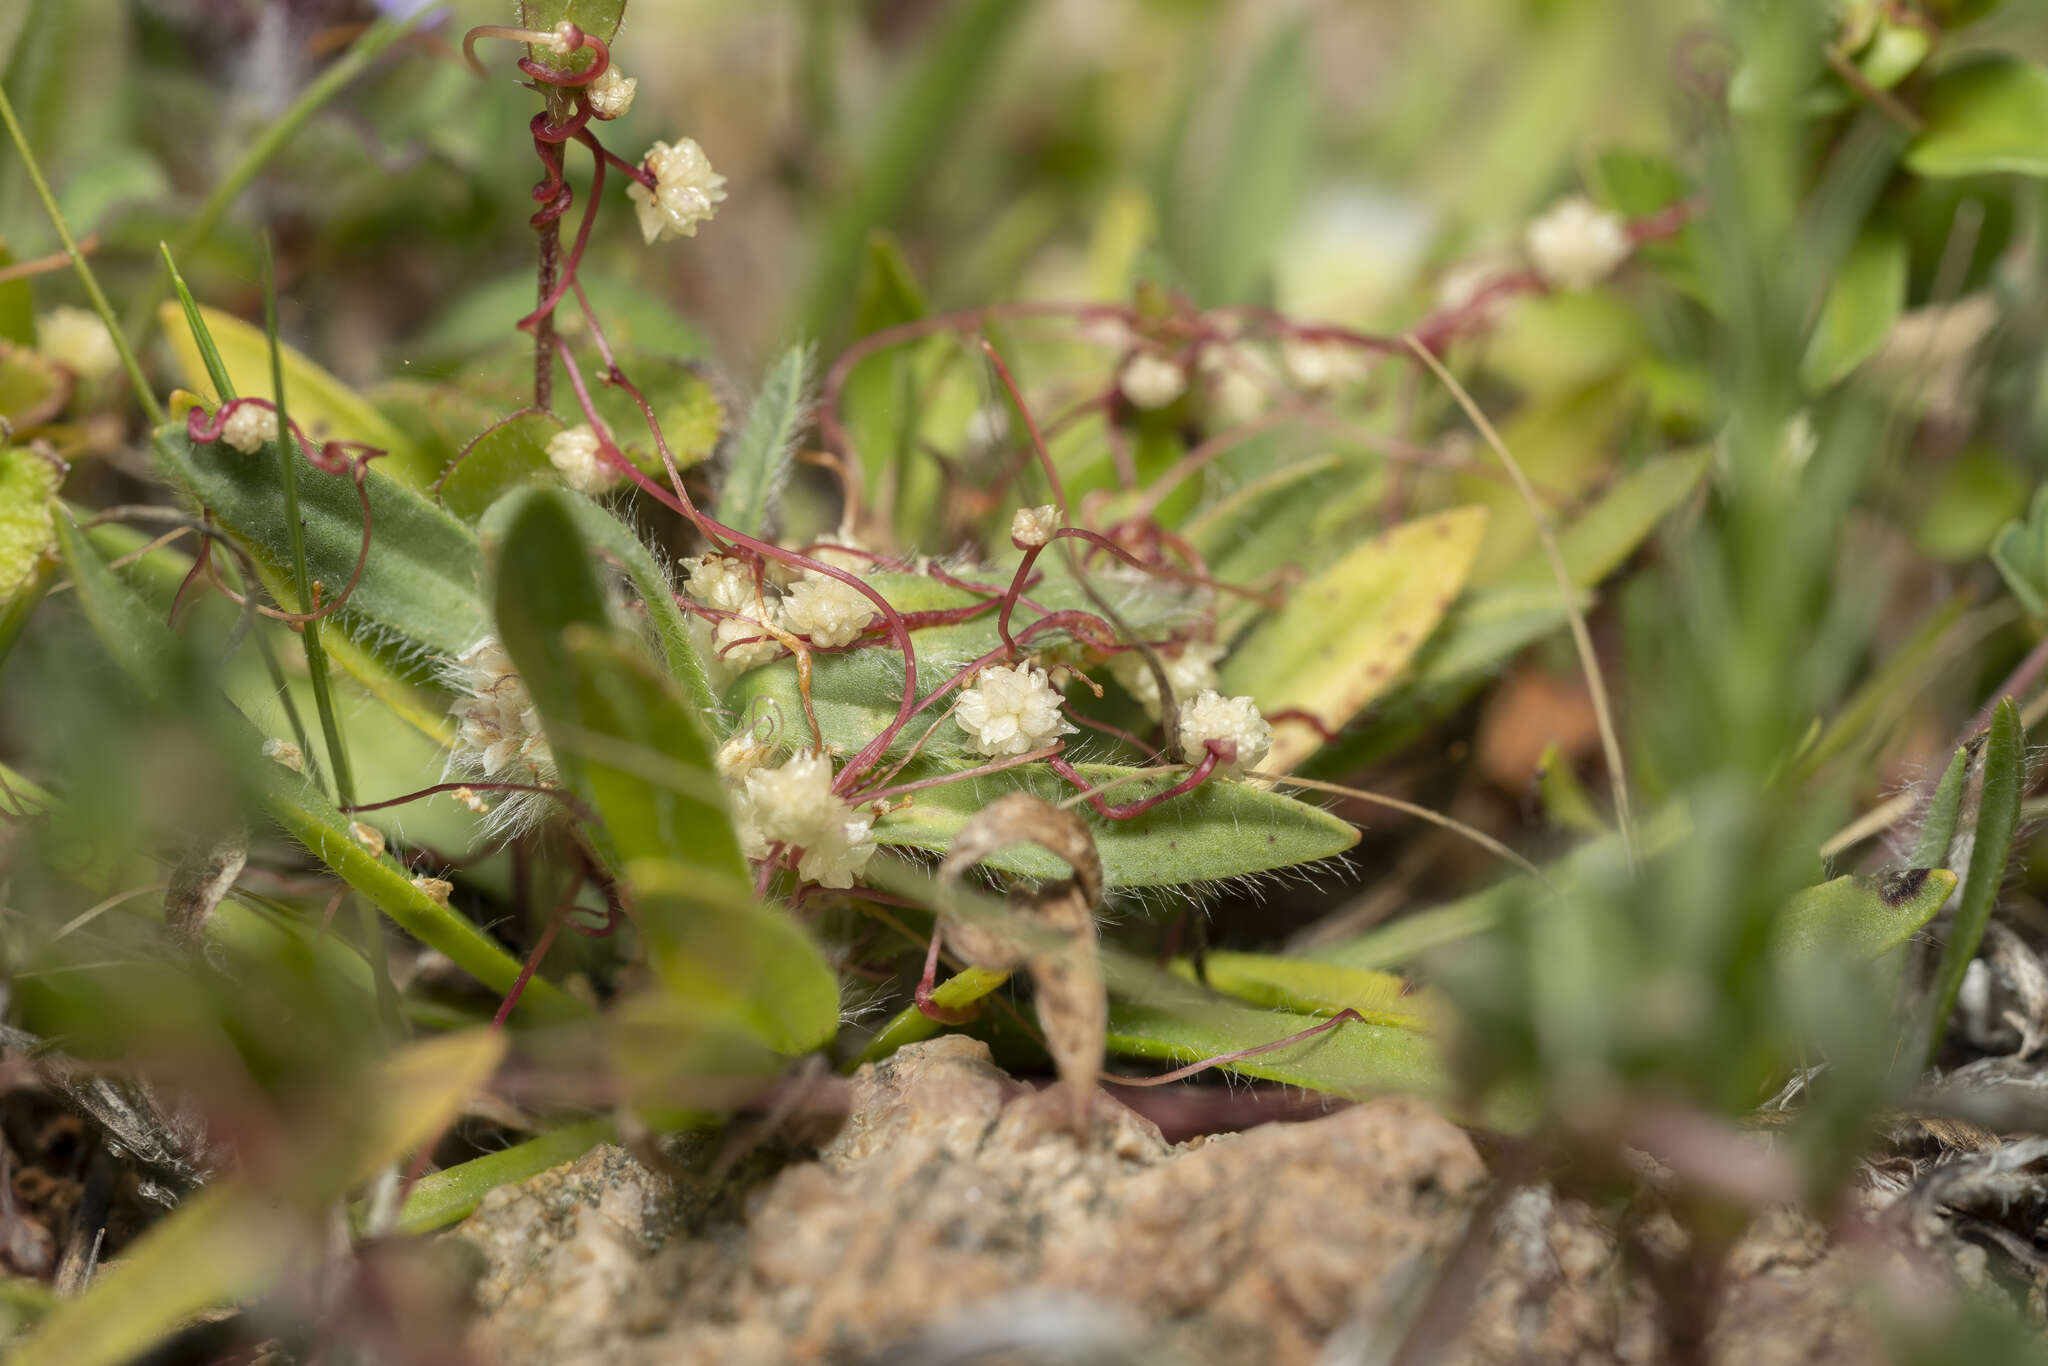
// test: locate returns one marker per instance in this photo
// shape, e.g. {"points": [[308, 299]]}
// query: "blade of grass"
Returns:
{"points": [[1938, 831], [202, 335], [1596, 686], [309, 635], [443, 1197], [91, 282], [366, 49], [1998, 816]]}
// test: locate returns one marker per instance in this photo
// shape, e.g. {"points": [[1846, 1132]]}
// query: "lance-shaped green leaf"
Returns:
{"points": [[2020, 551], [964, 988], [1865, 298], [1998, 815], [623, 739], [761, 455], [1222, 829], [1345, 636], [324, 408], [1983, 117], [503, 457], [1354, 1058], [420, 582], [1938, 826], [1312, 987], [1863, 917], [615, 541], [28, 526], [232, 1241], [447, 1196], [144, 649]]}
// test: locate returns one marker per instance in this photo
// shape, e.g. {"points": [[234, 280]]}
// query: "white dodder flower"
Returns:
{"points": [[1034, 526], [249, 428], [573, 452], [611, 94], [828, 611], [1321, 364], [1189, 672], [1211, 716], [795, 805], [1011, 711], [1150, 381], [76, 339], [725, 582], [497, 724], [687, 191], [1577, 243]]}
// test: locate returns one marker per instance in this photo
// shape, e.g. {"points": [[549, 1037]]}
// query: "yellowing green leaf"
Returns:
{"points": [[28, 527], [1312, 986], [323, 407], [1347, 635]]}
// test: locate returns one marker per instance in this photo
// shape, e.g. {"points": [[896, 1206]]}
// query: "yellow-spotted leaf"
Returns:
{"points": [[1346, 635]]}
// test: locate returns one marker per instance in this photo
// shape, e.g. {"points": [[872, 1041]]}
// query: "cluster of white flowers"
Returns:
{"points": [[76, 339], [686, 191], [250, 427], [794, 805], [1034, 526], [1239, 380], [497, 724], [1189, 672], [575, 452], [727, 583], [828, 610], [1151, 381], [611, 94], [1576, 243], [1011, 710], [1211, 716]]}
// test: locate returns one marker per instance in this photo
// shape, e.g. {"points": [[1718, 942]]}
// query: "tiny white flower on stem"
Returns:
{"points": [[794, 805], [1151, 381], [1191, 671], [1034, 526], [576, 454], [1235, 720], [286, 753], [828, 611], [686, 191], [497, 724], [742, 643], [1011, 711], [724, 582], [76, 339], [250, 427], [741, 755], [611, 94], [1318, 365], [1576, 243]]}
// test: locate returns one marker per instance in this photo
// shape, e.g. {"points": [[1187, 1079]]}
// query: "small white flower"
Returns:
{"points": [[286, 753], [76, 339], [1318, 365], [1240, 380], [1034, 526], [1211, 716], [611, 94], [1011, 711], [828, 611], [574, 452], [1191, 671], [741, 755], [1151, 381], [497, 724], [1577, 244], [725, 582], [687, 191], [250, 427], [794, 805], [742, 643]]}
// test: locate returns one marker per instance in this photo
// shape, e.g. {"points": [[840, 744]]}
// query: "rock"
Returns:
{"points": [[956, 1217]]}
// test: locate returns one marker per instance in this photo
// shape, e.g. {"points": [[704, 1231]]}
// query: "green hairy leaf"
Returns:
{"points": [[28, 525], [761, 456], [1351, 1059], [1864, 917], [1998, 815]]}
